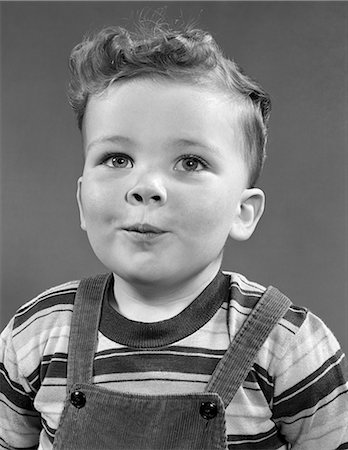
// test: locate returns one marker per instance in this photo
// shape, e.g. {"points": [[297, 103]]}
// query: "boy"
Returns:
{"points": [[159, 354]]}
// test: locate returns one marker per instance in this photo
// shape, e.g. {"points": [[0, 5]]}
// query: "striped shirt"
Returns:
{"points": [[295, 396]]}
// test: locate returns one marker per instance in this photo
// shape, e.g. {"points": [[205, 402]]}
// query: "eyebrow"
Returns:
{"points": [[182, 142], [196, 143], [115, 139]]}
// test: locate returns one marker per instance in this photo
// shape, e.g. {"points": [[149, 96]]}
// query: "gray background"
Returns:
{"points": [[297, 52]]}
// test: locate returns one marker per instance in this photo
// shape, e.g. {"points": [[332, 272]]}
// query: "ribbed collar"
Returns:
{"points": [[158, 334]]}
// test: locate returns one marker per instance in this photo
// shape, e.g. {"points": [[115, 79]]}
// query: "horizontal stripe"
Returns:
{"points": [[262, 372], [239, 309], [49, 431], [182, 360], [183, 365], [7, 447], [311, 390], [54, 368], [51, 301], [19, 411], [300, 348], [173, 349], [243, 284], [152, 386], [35, 324], [265, 384], [269, 440], [329, 364], [286, 326], [309, 413], [326, 437], [295, 315], [14, 392], [246, 300], [156, 362]]}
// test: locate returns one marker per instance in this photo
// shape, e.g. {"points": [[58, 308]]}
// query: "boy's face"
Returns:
{"points": [[164, 181]]}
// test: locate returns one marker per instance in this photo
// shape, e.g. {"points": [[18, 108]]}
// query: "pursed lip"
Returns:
{"points": [[144, 228]]}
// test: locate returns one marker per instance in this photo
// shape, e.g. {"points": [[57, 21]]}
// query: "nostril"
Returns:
{"points": [[145, 196], [138, 197]]}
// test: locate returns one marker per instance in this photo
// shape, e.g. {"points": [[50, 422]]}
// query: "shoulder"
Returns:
{"points": [[299, 349], [297, 326], [42, 325], [244, 290], [46, 305], [246, 293], [299, 340]]}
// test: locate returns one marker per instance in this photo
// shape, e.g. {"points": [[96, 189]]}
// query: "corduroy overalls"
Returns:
{"points": [[95, 418]]}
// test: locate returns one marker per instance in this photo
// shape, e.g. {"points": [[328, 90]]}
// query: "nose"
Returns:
{"points": [[147, 191]]}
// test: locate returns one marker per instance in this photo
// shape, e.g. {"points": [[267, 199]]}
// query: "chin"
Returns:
{"points": [[147, 280], [143, 274]]}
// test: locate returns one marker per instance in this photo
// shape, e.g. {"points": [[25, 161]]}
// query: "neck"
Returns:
{"points": [[151, 304]]}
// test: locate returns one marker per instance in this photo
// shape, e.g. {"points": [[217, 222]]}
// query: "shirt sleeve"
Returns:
{"points": [[310, 404], [20, 423]]}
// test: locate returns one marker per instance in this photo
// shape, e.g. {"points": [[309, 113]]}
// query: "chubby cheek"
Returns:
{"points": [[99, 204], [209, 216]]}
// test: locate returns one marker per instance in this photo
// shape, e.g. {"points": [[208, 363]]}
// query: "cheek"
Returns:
{"points": [[208, 214], [100, 203]]}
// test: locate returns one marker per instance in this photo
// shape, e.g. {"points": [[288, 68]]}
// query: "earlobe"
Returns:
{"points": [[80, 205], [251, 208]]}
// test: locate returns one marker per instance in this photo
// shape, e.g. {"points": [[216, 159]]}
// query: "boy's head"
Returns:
{"points": [[170, 154], [190, 56]]}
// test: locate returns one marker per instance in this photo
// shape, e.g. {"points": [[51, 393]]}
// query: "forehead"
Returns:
{"points": [[158, 110]]}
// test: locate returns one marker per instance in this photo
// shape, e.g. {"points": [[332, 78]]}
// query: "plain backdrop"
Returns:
{"points": [[296, 50]]}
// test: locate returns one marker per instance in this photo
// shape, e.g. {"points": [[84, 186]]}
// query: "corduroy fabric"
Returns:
{"points": [[109, 420], [236, 363], [112, 420], [86, 317]]}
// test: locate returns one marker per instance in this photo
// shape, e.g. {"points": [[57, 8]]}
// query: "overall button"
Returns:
{"points": [[208, 410], [78, 399]]}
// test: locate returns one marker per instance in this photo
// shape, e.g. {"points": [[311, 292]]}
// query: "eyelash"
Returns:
{"points": [[116, 155], [196, 158]]}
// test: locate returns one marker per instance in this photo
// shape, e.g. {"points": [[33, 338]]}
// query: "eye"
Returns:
{"points": [[191, 163], [118, 161]]}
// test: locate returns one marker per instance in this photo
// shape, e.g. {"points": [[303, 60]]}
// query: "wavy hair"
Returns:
{"points": [[190, 55]]}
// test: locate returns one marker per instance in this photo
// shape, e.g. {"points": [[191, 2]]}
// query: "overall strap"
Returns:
{"points": [[238, 360], [84, 329]]}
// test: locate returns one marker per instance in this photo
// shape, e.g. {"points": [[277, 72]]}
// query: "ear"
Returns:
{"points": [[251, 207], [79, 202]]}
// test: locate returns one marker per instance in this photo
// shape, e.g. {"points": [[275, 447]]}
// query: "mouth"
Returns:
{"points": [[144, 230]]}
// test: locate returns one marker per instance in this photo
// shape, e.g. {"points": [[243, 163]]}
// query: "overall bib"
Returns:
{"points": [[95, 418]]}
